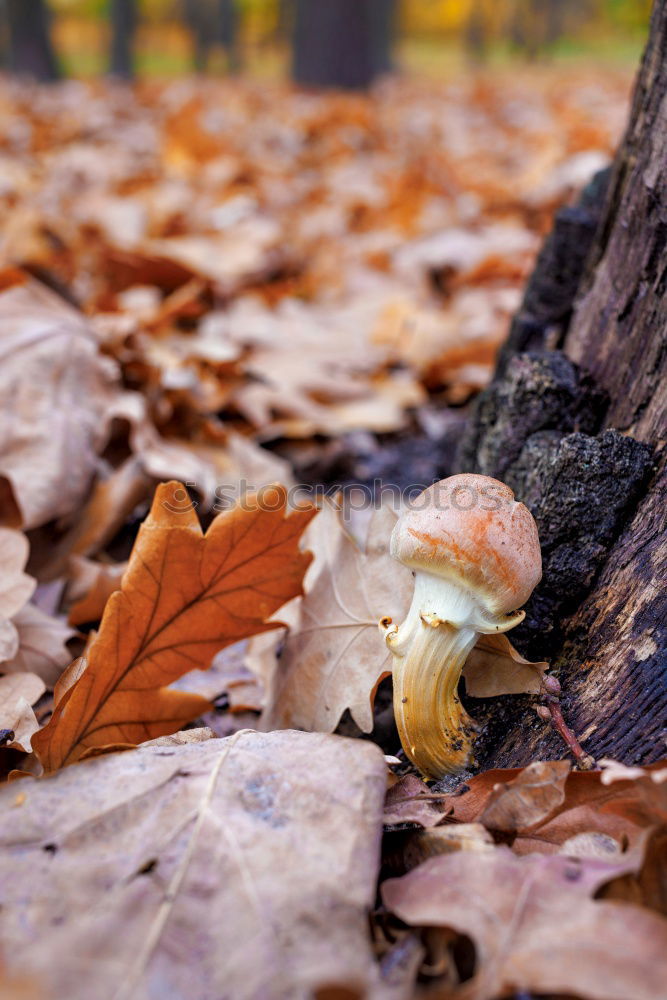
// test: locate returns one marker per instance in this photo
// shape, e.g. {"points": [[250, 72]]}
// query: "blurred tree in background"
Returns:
{"points": [[28, 31], [342, 43], [332, 42], [214, 22], [123, 26]]}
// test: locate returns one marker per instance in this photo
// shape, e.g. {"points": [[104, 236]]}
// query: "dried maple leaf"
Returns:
{"points": [[184, 596], [333, 657], [535, 926]]}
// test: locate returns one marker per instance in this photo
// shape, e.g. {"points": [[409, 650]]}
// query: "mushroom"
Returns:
{"points": [[476, 558]]}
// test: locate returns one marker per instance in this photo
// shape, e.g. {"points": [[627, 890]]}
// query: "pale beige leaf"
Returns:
{"points": [[42, 648], [495, 667], [257, 854], [613, 770], [9, 640], [182, 738], [16, 587], [534, 925], [55, 390], [333, 655], [18, 692], [227, 670]]}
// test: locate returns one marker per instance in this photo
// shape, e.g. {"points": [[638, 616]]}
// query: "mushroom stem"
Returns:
{"points": [[436, 732], [430, 649]]}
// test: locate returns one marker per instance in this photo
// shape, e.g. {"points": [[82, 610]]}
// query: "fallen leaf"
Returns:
{"points": [[183, 738], [333, 656], [258, 854], [647, 885], [332, 659], [528, 799], [184, 596], [113, 499], [411, 801], [494, 667], [42, 648], [535, 926], [18, 692], [55, 390], [90, 587], [613, 770], [622, 809], [16, 587]]}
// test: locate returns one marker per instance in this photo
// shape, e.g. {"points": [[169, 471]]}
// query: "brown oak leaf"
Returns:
{"points": [[185, 596]]}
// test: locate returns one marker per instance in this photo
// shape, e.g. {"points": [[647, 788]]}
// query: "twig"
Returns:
{"points": [[551, 712]]}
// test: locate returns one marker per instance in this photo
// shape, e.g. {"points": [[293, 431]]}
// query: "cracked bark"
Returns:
{"points": [[610, 649]]}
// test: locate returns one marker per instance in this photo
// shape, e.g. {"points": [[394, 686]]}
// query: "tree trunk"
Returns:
{"points": [[342, 43], [228, 33], [30, 47], [123, 27], [194, 18], [383, 32], [575, 421], [4, 37]]}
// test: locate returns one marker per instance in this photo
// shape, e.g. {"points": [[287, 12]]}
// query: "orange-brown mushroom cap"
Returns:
{"points": [[470, 530]]}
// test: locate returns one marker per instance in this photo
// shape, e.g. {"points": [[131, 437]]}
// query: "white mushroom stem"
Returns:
{"points": [[430, 649]]}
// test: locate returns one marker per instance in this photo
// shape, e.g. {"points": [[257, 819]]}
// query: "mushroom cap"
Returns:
{"points": [[471, 531]]}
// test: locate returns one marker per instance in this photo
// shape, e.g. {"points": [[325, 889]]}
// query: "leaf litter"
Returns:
{"points": [[227, 300]]}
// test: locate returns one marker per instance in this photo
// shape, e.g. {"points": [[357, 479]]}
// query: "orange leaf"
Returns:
{"points": [[184, 596]]}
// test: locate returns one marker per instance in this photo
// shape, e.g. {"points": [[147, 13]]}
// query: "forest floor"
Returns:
{"points": [[227, 285]]}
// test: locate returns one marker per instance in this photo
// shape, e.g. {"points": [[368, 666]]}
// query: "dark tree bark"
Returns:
{"points": [[576, 422], [342, 43], [30, 47], [124, 19]]}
